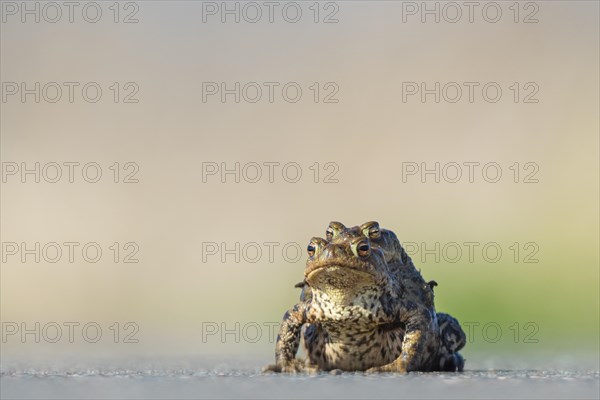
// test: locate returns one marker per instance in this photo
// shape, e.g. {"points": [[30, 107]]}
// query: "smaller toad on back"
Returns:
{"points": [[365, 307]]}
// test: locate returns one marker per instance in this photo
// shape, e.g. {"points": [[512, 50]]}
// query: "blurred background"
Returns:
{"points": [[204, 266]]}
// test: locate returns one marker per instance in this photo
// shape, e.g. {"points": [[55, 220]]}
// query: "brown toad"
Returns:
{"points": [[365, 307]]}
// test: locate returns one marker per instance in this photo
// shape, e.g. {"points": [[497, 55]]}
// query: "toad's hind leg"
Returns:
{"points": [[452, 338]]}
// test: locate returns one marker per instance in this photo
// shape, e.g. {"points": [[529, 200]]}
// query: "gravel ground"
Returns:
{"points": [[226, 382]]}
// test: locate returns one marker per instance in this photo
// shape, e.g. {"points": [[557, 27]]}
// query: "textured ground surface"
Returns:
{"points": [[243, 381]]}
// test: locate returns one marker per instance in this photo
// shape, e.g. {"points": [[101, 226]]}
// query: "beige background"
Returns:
{"points": [[369, 134]]}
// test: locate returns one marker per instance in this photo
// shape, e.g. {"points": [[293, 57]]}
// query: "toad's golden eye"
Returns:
{"points": [[371, 230], [311, 249], [363, 249], [374, 232], [329, 233]]}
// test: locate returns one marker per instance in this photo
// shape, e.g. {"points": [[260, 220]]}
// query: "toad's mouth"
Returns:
{"points": [[338, 269], [342, 283]]}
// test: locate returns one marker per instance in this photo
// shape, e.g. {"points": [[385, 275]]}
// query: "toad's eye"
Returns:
{"points": [[363, 249], [374, 233], [371, 230], [329, 233], [311, 250]]}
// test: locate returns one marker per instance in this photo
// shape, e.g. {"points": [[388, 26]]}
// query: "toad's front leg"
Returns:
{"points": [[288, 341], [419, 346]]}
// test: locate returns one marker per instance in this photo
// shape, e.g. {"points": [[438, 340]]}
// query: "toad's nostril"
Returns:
{"points": [[336, 251]]}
